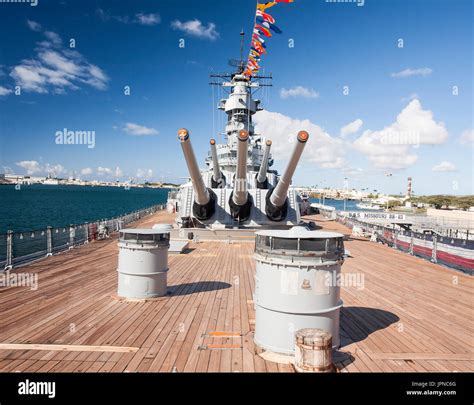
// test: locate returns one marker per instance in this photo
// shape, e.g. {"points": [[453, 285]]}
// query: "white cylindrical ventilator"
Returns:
{"points": [[296, 286], [279, 194], [143, 263], [262, 173], [240, 194], [201, 194]]}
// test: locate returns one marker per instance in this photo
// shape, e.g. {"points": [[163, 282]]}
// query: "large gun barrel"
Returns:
{"points": [[218, 179], [276, 204], [262, 181], [239, 200], [240, 194], [204, 201]]}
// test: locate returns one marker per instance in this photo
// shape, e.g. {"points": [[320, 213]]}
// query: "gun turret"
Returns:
{"points": [[262, 181], [204, 198], [276, 201], [239, 201], [217, 179]]}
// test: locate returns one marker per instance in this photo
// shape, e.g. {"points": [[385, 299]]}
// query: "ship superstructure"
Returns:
{"points": [[238, 188]]}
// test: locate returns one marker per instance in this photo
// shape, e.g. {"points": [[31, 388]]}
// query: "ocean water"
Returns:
{"points": [[339, 204], [38, 206]]}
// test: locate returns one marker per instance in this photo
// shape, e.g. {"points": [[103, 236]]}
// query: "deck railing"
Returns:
{"points": [[20, 248], [452, 252]]}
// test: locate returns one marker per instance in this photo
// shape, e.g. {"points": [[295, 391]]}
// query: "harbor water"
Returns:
{"points": [[38, 206], [351, 205]]}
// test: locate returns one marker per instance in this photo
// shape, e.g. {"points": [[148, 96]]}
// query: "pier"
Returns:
{"points": [[410, 315]]}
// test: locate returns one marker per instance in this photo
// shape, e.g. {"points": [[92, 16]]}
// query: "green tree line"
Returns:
{"points": [[445, 201]]}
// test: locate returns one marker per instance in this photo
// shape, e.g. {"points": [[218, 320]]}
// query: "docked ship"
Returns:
{"points": [[369, 206], [400, 314]]}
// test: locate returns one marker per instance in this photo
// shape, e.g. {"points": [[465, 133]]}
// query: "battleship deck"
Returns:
{"points": [[412, 315]]}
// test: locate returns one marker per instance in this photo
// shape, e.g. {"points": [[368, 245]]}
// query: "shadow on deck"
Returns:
{"points": [[199, 286], [357, 323]]}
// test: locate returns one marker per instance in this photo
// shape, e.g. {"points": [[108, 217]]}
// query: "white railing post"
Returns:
{"points": [[49, 241], [9, 262], [72, 236], [434, 253], [86, 229]]}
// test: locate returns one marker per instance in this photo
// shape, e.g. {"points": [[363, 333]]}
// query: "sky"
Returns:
{"points": [[384, 87]]}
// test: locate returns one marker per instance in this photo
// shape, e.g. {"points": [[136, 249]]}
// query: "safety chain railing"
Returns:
{"points": [[452, 252], [19, 248]]}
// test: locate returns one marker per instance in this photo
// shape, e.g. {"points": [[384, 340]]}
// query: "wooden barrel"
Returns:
{"points": [[313, 351]]}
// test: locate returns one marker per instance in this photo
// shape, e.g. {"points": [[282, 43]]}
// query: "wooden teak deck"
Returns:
{"points": [[411, 315]]}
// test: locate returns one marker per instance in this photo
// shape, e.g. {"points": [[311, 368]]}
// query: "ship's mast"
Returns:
{"points": [[240, 105], [242, 36]]}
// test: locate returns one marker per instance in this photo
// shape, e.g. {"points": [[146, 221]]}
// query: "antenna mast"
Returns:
{"points": [[242, 35]]}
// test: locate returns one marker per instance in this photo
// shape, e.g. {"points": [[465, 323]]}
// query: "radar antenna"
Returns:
{"points": [[239, 63]]}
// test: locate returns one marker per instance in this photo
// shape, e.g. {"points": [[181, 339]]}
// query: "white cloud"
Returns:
{"points": [[298, 91], [97, 77], [35, 167], [106, 16], [467, 137], [87, 171], [28, 77], [412, 72], [196, 29], [104, 171], [148, 19], [139, 130], [392, 147], [54, 38], [54, 170], [54, 69], [444, 167], [31, 166], [118, 172], [144, 173], [33, 25], [322, 149], [4, 91], [140, 18], [351, 128]]}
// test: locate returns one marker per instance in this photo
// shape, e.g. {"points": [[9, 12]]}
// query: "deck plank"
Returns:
{"points": [[410, 315]]}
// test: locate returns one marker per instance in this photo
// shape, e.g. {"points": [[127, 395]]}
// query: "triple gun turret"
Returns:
{"points": [[240, 201]]}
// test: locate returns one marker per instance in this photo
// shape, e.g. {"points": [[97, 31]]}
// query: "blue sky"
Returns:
{"points": [[394, 91]]}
